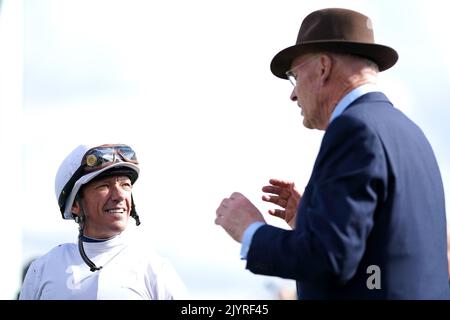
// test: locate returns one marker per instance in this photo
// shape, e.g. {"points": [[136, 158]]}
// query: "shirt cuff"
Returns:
{"points": [[247, 238]]}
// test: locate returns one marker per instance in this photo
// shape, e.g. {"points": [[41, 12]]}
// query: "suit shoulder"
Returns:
{"points": [[351, 124], [374, 111]]}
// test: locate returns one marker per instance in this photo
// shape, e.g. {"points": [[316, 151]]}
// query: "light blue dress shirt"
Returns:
{"points": [[340, 107]]}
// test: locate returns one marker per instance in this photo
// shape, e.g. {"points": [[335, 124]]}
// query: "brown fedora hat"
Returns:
{"points": [[335, 30]]}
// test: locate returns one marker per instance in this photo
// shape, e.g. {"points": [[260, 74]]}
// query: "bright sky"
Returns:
{"points": [[187, 83]]}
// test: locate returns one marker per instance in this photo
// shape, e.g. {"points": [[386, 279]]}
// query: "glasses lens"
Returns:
{"points": [[291, 78]]}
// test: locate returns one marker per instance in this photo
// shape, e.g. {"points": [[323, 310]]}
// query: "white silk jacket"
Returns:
{"points": [[130, 271]]}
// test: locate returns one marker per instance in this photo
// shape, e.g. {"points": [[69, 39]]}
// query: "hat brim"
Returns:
{"points": [[384, 56], [89, 177]]}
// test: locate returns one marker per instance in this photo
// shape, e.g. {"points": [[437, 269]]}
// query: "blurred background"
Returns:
{"points": [[188, 85]]}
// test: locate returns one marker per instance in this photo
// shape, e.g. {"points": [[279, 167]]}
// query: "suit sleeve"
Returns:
{"points": [[336, 212]]}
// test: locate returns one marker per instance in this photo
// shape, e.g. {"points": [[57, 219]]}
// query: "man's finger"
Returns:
{"points": [[282, 192], [219, 219], [276, 200], [280, 183], [271, 189], [278, 213]]}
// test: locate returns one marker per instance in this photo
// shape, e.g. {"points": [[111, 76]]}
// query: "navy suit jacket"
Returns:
{"points": [[375, 198]]}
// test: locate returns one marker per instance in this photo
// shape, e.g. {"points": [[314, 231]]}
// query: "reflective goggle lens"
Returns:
{"points": [[100, 157]]}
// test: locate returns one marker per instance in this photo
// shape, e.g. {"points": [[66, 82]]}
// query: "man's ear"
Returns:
{"points": [[76, 207], [326, 64]]}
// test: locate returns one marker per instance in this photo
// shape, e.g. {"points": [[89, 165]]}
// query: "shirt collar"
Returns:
{"points": [[350, 97]]}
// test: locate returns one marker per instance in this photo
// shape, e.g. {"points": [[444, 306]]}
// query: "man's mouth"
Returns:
{"points": [[115, 211]]}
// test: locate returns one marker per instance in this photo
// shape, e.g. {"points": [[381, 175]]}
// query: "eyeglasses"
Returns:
{"points": [[95, 159], [292, 77]]}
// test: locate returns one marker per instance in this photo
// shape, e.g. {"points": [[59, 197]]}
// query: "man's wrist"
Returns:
{"points": [[248, 236]]}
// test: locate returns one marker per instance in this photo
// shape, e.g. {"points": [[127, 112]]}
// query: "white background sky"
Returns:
{"points": [[188, 85]]}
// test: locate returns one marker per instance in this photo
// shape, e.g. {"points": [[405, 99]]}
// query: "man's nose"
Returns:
{"points": [[117, 193], [293, 95]]}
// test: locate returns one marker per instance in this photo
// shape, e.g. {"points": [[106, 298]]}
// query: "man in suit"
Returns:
{"points": [[371, 222]]}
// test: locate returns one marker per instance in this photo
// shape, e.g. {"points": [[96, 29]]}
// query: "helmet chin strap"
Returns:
{"points": [[80, 220], [133, 213]]}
